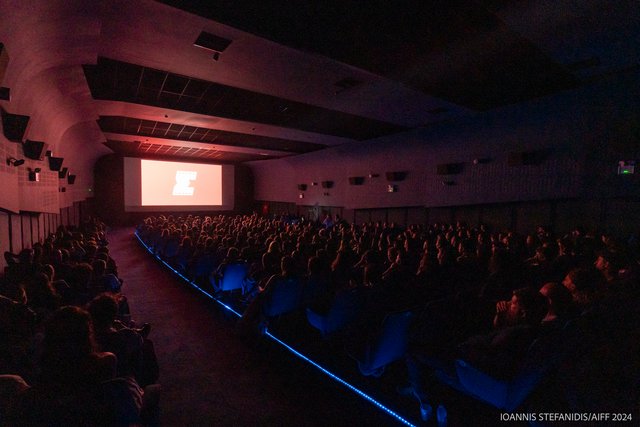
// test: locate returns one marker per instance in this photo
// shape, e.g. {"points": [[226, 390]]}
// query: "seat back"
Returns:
{"points": [[283, 298], [542, 355], [345, 308], [390, 345], [232, 276], [203, 265], [171, 248]]}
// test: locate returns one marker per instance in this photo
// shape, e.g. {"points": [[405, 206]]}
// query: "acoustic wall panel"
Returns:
{"points": [[5, 244]]}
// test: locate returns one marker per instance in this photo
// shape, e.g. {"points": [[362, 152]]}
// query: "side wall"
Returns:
{"points": [[21, 230], [580, 136]]}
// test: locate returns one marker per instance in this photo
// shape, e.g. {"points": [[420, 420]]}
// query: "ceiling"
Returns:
{"points": [[287, 78]]}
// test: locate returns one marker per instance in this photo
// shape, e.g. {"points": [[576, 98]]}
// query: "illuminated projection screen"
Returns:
{"points": [[160, 185]]}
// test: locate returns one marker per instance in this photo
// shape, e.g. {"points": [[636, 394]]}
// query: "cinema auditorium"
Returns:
{"points": [[319, 213]]}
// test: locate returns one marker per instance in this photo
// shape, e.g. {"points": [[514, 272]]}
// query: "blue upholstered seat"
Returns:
{"points": [[509, 394], [389, 345], [344, 309], [231, 277], [284, 297]]}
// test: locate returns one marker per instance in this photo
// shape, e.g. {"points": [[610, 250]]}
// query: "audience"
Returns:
{"points": [[58, 365], [451, 276], [131, 346]]}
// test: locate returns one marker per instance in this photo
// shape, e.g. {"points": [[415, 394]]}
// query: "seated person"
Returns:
{"points": [[585, 285], [499, 352], [610, 263], [515, 325], [17, 329], [560, 307], [316, 289], [77, 384], [254, 314], [103, 281], [135, 354], [233, 256], [42, 298]]}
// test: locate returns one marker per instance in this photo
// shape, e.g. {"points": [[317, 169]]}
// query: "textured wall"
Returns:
{"points": [[20, 231], [583, 132], [9, 196]]}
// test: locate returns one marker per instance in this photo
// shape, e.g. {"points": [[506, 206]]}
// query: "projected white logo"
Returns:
{"points": [[182, 186], [177, 184]]}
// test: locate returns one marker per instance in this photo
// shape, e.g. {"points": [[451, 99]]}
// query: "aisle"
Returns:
{"points": [[209, 376]]}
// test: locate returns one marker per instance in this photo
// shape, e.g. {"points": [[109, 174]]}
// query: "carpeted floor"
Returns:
{"points": [[210, 376]]}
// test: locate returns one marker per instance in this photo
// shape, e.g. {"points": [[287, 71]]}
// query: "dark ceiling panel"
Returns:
{"points": [[196, 88], [133, 126], [175, 84], [165, 152], [120, 81], [153, 79], [457, 50]]}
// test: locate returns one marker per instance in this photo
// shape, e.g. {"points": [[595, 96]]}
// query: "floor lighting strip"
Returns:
{"points": [[284, 344]]}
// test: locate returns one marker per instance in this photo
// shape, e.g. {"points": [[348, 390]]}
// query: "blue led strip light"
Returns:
{"points": [[340, 380], [183, 277], [284, 344]]}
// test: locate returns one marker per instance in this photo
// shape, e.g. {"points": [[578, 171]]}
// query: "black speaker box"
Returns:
{"points": [[62, 173], [34, 149], [356, 180], [396, 176], [55, 163], [327, 184], [449, 168], [302, 187], [71, 179], [14, 125]]}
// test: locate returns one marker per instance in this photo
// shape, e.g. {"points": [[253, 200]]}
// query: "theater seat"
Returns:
{"points": [[231, 277], [388, 346], [503, 394], [509, 394], [344, 309], [283, 298]]}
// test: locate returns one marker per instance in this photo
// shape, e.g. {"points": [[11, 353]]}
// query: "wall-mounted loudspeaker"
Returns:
{"points": [[62, 173], [34, 175], [14, 125], [55, 163], [34, 149], [356, 180], [449, 168], [396, 176], [71, 179], [302, 187], [327, 184]]}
